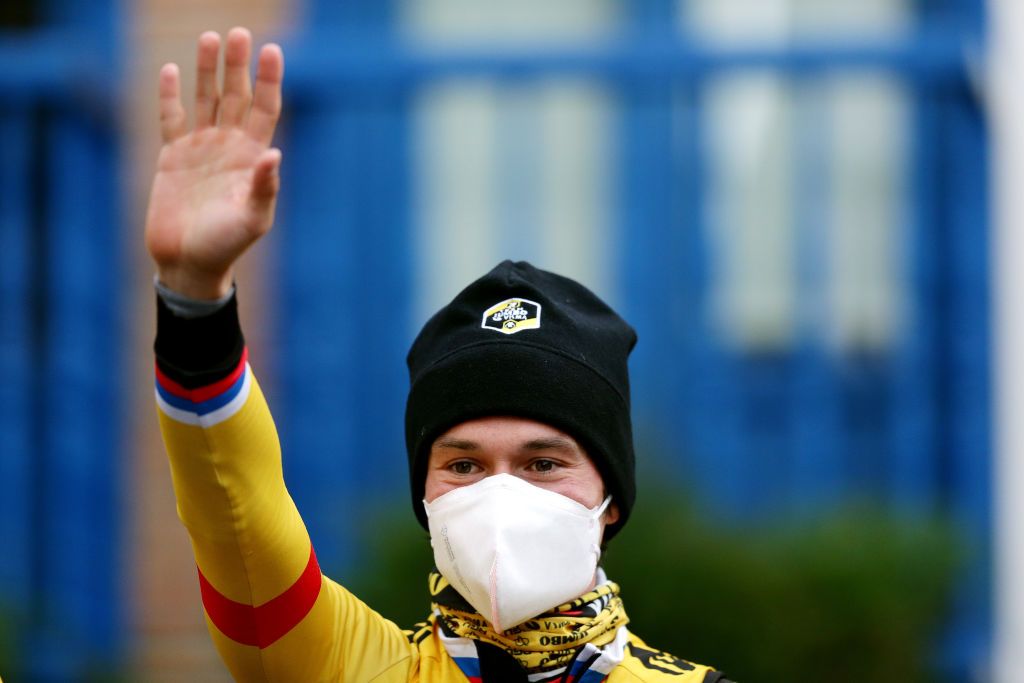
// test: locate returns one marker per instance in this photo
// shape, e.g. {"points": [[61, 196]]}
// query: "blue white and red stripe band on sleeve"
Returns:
{"points": [[207, 405]]}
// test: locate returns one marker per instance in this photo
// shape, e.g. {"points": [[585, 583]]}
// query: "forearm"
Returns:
{"points": [[273, 617], [250, 544]]}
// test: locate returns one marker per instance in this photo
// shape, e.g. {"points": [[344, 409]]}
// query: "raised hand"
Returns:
{"points": [[216, 185]]}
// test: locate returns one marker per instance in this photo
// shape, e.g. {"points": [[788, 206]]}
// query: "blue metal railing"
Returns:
{"points": [[60, 361], [359, 62]]}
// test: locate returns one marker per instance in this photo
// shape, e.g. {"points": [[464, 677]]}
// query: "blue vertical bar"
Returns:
{"points": [[650, 269], [912, 426], [645, 237], [644, 233], [78, 476], [971, 443], [318, 229], [344, 313], [384, 290], [105, 306], [386, 265], [346, 308], [16, 356], [967, 331]]}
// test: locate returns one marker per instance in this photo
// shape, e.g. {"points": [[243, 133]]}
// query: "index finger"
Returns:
{"points": [[266, 101]]}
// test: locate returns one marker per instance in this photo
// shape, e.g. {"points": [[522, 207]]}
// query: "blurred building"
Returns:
{"points": [[787, 198]]}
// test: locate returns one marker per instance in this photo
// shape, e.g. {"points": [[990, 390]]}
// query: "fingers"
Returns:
{"points": [[232, 106], [172, 113], [207, 97], [237, 90], [266, 181], [266, 102]]}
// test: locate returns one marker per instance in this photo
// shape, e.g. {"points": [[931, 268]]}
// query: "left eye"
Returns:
{"points": [[462, 467], [544, 465]]}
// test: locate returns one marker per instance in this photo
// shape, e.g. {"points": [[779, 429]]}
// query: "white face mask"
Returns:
{"points": [[514, 550]]}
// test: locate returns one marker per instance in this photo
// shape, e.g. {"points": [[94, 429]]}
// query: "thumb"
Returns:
{"points": [[266, 181]]}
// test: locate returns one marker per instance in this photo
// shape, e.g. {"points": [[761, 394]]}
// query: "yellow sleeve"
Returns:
{"points": [[272, 615]]}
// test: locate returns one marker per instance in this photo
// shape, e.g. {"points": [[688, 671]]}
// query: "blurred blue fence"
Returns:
{"points": [[782, 431], [60, 362], [779, 431]]}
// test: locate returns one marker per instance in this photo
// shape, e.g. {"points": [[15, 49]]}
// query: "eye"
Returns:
{"points": [[543, 465], [462, 467]]}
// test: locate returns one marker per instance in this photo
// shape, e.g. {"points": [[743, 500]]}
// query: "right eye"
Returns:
{"points": [[462, 467]]}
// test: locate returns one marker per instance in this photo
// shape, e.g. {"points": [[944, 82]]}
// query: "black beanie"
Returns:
{"points": [[525, 342]]}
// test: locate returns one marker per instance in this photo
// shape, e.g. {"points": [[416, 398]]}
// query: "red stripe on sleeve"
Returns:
{"points": [[210, 390], [265, 624]]}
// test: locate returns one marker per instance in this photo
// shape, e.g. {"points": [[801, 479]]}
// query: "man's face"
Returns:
{"points": [[533, 451]]}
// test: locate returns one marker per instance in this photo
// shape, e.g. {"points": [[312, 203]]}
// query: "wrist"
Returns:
{"points": [[187, 307], [196, 285]]}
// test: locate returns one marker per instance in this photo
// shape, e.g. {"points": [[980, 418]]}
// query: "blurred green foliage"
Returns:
{"points": [[8, 661], [854, 595]]}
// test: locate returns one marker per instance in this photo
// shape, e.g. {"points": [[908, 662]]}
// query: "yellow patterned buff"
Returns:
{"points": [[547, 641]]}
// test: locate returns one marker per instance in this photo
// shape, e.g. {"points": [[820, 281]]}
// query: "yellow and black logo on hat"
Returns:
{"points": [[512, 315]]}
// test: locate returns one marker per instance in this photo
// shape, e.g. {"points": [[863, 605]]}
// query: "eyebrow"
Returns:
{"points": [[457, 444], [542, 444], [554, 442]]}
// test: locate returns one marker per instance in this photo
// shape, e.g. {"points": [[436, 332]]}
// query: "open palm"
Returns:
{"points": [[216, 185]]}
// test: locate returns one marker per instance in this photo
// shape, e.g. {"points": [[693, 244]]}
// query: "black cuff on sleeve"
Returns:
{"points": [[195, 352]]}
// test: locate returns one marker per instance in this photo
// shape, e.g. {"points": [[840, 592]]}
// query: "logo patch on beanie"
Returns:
{"points": [[512, 315]]}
